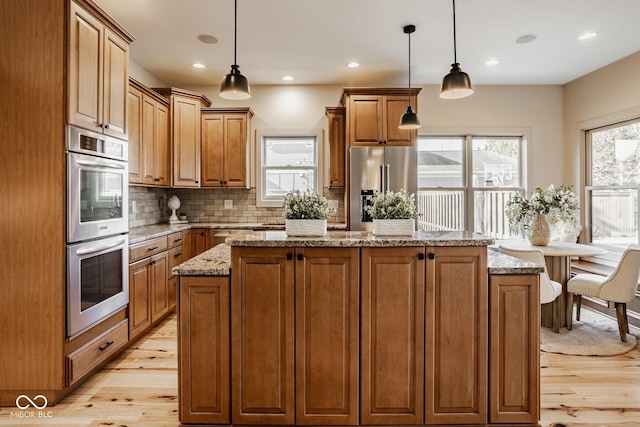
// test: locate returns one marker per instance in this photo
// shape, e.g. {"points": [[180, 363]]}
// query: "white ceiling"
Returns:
{"points": [[313, 40]]}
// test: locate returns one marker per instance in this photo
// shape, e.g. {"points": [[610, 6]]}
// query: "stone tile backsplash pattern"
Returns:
{"points": [[207, 205]]}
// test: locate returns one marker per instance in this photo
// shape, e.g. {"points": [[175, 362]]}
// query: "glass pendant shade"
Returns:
{"points": [[234, 85], [456, 84], [409, 120]]}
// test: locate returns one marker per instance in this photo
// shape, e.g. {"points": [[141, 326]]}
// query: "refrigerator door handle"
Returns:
{"points": [[382, 179], [386, 175]]}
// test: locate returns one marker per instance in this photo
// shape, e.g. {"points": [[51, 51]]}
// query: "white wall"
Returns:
{"points": [[536, 110], [143, 76], [605, 96]]}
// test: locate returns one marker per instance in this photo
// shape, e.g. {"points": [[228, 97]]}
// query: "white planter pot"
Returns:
{"points": [[306, 227], [394, 227]]}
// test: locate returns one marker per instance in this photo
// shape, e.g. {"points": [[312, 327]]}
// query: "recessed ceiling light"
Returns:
{"points": [[207, 38], [587, 35], [527, 38], [287, 78], [353, 65], [492, 62], [197, 65]]}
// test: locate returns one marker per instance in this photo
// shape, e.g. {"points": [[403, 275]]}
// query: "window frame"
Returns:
{"points": [[468, 189], [264, 134]]}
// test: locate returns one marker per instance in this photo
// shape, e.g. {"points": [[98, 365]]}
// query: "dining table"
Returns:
{"points": [[557, 256]]}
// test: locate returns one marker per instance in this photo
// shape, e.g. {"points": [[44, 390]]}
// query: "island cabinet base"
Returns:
{"points": [[344, 336]]}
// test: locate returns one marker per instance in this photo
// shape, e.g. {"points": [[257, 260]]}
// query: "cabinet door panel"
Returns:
{"points": [[159, 286], [365, 120], [134, 131], [139, 315], [327, 336], [235, 132], [456, 337], [262, 336], [337, 164], [392, 336], [85, 69], [148, 140], [161, 146], [213, 150], [514, 394], [204, 348], [394, 108], [186, 142], [116, 80]]}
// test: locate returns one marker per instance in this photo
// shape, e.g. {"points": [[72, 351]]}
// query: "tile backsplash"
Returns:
{"points": [[207, 205]]}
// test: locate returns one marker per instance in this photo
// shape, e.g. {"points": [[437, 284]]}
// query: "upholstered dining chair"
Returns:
{"points": [[619, 287], [549, 289]]}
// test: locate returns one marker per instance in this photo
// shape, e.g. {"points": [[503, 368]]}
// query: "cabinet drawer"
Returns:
{"points": [[147, 248], [175, 239], [175, 258], [96, 351]]}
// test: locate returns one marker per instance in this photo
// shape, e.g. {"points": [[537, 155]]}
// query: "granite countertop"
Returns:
{"points": [[359, 239], [140, 234], [217, 262], [214, 262]]}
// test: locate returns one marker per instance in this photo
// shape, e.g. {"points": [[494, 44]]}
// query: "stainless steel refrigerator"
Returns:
{"points": [[378, 168]]}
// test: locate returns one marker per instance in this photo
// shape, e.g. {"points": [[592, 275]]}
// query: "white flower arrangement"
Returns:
{"points": [[390, 205], [558, 204], [307, 205]]}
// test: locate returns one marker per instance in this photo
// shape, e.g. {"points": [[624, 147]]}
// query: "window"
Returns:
{"points": [[287, 161], [464, 182], [613, 184]]}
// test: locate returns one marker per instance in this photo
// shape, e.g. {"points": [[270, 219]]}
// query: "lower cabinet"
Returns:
{"points": [[359, 336], [392, 336], [514, 382], [203, 339], [309, 377], [456, 334]]}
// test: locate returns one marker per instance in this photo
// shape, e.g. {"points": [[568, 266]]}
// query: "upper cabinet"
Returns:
{"points": [[225, 141], [336, 119], [373, 116], [148, 130], [184, 125], [98, 73]]}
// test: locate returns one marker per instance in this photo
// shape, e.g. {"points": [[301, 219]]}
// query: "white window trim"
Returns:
{"points": [[261, 134]]}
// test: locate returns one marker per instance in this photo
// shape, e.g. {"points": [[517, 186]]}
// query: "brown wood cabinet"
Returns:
{"points": [[373, 116], [148, 136], [200, 241], [40, 83], [184, 125], [326, 343], [98, 74], [392, 336], [456, 336], [514, 365], [262, 337], [204, 342], [323, 389], [225, 146], [337, 165]]}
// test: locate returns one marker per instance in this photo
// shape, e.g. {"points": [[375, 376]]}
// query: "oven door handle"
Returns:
{"points": [[101, 164], [99, 248]]}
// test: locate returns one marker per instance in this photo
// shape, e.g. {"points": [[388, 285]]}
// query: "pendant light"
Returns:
{"points": [[234, 85], [457, 83], [409, 119]]}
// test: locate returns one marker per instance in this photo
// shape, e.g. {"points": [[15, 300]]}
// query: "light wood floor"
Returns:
{"points": [[140, 389]]}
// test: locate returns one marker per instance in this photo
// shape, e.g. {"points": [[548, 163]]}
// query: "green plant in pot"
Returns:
{"points": [[393, 213], [306, 213]]}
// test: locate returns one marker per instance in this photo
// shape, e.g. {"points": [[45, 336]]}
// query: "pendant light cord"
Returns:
{"points": [[235, 32], [409, 70], [455, 56]]}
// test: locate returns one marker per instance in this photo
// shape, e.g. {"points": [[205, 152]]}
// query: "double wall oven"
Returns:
{"points": [[97, 228]]}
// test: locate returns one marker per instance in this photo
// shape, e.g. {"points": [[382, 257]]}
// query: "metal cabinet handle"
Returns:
{"points": [[420, 257], [153, 248], [177, 255], [104, 346], [289, 257]]}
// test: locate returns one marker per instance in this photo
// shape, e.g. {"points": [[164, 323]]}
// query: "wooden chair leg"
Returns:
{"points": [[555, 308], [569, 313], [578, 305], [620, 314], [626, 319]]}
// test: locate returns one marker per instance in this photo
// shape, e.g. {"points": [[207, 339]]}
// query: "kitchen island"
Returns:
{"points": [[353, 329]]}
